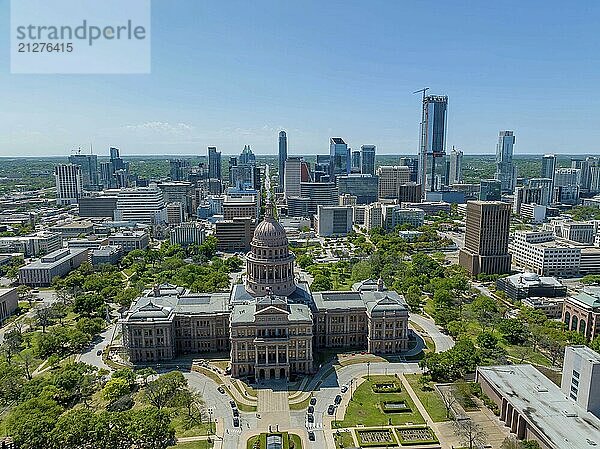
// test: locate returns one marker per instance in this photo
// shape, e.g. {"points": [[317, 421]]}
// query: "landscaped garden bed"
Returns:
{"points": [[395, 407], [410, 436], [387, 387], [376, 438]]}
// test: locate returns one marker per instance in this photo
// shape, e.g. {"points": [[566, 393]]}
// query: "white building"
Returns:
{"points": [[455, 175], [69, 184], [293, 176], [40, 273], [581, 377], [333, 220], [541, 253], [189, 233], [396, 215], [373, 216], [391, 177], [141, 205]]}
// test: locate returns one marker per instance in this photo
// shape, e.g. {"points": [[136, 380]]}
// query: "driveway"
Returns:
{"points": [[90, 356], [442, 341]]}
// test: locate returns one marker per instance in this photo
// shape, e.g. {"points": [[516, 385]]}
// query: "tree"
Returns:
{"points": [[486, 311], [165, 389], [24, 293], [150, 428], [321, 283], [75, 429], [13, 340], [11, 382], [469, 432], [487, 340], [513, 331], [413, 298], [448, 398], [31, 422], [26, 359], [193, 405], [115, 388], [58, 311], [43, 316]]}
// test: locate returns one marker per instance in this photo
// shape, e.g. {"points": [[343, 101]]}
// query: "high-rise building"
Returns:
{"points": [[546, 186], [455, 169], [490, 190], [367, 159], [247, 156], [339, 153], [363, 187], [214, 163], [506, 172], [567, 177], [144, 205], [413, 164], [549, 168], [232, 163], [282, 156], [432, 139], [355, 161], [391, 177], [293, 176], [89, 169], [115, 172], [486, 238], [180, 169], [69, 186]]}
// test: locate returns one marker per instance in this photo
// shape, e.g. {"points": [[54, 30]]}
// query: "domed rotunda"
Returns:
{"points": [[269, 264]]}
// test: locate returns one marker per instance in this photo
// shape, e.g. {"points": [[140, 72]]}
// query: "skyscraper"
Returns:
{"points": [[455, 172], [433, 137], [367, 159], [89, 168], [214, 163], [293, 175], [282, 156], [506, 172], [486, 238], [69, 186], [339, 157], [355, 161], [490, 190], [180, 169], [549, 168]]}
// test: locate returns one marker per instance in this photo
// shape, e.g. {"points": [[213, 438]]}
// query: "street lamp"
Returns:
{"points": [[210, 412], [368, 370]]}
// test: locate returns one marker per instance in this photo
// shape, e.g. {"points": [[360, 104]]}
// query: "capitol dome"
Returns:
{"points": [[269, 264]]}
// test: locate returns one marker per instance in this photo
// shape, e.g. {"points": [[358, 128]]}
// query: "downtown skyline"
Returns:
{"points": [[272, 66]]}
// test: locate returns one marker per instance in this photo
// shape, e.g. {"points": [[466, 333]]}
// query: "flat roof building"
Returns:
{"points": [[40, 273]]}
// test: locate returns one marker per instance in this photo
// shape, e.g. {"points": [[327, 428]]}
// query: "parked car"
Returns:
{"points": [[310, 417], [311, 436], [337, 399], [313, 401], [331, 409], [344, 388], [236, 412], [236, 422], [99, 352], [232, 403], [221, 390], [311, 409]]}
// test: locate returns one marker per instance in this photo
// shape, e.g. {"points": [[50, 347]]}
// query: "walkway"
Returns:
{"points": [[273, 408]]}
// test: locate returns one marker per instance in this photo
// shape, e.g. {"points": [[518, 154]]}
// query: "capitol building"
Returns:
{"points": [[271, 324]]}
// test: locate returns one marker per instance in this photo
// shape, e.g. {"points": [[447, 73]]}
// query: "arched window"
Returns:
{"points": [[574, 323], [567, 319], [582, 325]]}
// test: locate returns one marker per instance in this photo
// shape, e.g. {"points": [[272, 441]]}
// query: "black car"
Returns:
{"points": [[331, 409], [311, 409], [311, 436], [236, 422], [236, 412], [337, 399], [313, 401], [221, 390], [310, 417], [232, 403]]}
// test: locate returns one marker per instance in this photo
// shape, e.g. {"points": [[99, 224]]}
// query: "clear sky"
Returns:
{"points": [[230, 73]]}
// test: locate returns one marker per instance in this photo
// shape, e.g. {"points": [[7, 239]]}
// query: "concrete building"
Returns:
{"points": [[178, 192], [188, 233], [129, 240], [333, 221], [175, 213], [541, 253], [40, 273], [534, 408], [455, 172], [551, 307], [107, 254], [74, 228], [32, 245], [9, 301], [100, 205], [69, 184], [240, 206], [141, 205], [272, 325], [486, 238], [364, 187], [575, 231], [319, 193], [234, 234], [581, 312], [581, 378], [283, 150], [397, 215], [549, 168], [391, 177], [293, 176], [373, 216], [89, 169], [533, 212], [527, 285]]}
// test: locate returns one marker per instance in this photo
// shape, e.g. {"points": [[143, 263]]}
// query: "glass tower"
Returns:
{"points": [[433, 136], [339, 157]]}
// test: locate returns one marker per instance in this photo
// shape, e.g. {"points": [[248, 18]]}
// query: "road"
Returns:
{"points": [[442, 341], [91, 356]]}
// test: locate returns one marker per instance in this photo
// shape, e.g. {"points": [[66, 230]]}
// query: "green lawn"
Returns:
{"points": [[364, 407], [344, 439], [289, 440], [203, 444], [430, 399]]}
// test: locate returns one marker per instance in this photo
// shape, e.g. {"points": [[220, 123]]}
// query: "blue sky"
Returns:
{"points": [[231, 73]]}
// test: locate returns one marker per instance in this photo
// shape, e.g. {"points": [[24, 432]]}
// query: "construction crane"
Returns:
{"points": [[424, 90]]}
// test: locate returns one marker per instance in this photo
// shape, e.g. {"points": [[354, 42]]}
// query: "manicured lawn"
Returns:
{"points": [[289, 440], [430, 399], [203, 444], [345, 438], [364, 407], [197, 430]]}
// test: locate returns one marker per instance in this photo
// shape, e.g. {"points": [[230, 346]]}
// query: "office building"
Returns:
{"points": [[413, 166], [581, 378], [271, 324], [323, 193], [575, 231], [180, 169], [363, 187], [333, 221], [74, 228], [373, 216], [549, 169], [178, 192], [129, 240], [283, 151], [486, 238], [506, 171], [40, 273], [490, 190], [396, 215], [89, 169], [391, 178], [186, 234], [367, 159], [355, 165], [339, 157], [69, 186], [240, 206], [114, 174], [534, 408], [9, 301], [174, 213], [455, 167], [432, 141], [543, 254], [235, 234], [293, 176], [581, 312], [106, 254], [141, 205], [98, 205], [214, 163], [567, 177], [531, 285]]}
